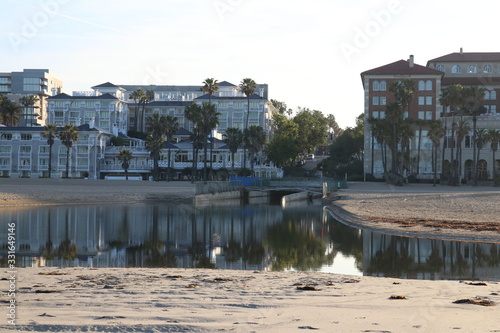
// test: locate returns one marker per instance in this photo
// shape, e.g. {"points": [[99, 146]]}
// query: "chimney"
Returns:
{"points": [[411, 61], [461, 50]]}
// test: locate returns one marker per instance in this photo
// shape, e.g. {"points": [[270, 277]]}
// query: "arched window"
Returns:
{"points": [[493, 95], [421, 85], [440, 68], [375, 86], [487, 69], [428, 85], [486, 95], [383, 86], [472, 69], [456, 69]]}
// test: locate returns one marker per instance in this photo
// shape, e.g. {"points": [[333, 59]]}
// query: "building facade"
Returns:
{"points": [[24, 153], [41, 83], [466, 69]]}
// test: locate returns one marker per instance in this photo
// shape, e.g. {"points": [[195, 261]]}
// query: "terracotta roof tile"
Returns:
{"points": [[468, 57], [401, 67]]}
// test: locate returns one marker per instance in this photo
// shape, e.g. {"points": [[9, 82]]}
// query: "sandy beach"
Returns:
{"points": [[195, 300]]}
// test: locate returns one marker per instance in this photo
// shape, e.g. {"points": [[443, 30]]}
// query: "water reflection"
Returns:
{"points": [[254, 237]]}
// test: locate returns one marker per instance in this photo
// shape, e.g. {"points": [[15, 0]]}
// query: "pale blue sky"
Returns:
{"points": [[311, 53]]}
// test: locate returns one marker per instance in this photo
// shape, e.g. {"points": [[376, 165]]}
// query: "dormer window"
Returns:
{"points": [[456, 69], [487, 69], [441, 68], [472, 69]]}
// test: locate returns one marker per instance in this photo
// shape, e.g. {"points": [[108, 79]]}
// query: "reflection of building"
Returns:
{"points": [[428, 259], [482, 69]]}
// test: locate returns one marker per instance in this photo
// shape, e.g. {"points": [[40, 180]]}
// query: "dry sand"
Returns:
{"points": [[178, 300]]}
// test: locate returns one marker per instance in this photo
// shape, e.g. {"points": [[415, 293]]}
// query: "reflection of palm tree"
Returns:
{"points": [[67, 250], [47, 251], [154, 246]]}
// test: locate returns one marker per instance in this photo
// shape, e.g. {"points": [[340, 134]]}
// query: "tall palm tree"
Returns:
{"points": [[254, 138], [248, 87], [407, 134], [154, 142], [436, 132], [210, 87], [463, 128], [204, 118], [493, 136], [28, 102], [233, 138], [403, 93], [50, 133], [481, 139], [452, 97], [380, 131], [124, 156], [137, 96], [171, 128], [68, 135], [149, 96], [472, 98]]}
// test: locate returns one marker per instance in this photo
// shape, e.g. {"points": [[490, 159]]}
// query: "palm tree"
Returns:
{"points": [[233, 138], [149, 96], [436, 132], [481, 139], [248, 87], [124, 156], [407, 134], [463, 128], [493, 136], [380, 130], [452, 97], [68, 134], [11, 112], [50, 132], [137, 96], [210, 87], [472, 97], [171, 128], [27, 102], [254, 138], [421, 124], [154, 142]]}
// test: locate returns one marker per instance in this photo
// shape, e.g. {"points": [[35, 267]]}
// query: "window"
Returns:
{"points": [[487, 69], [43, 162], [58, 114], [456, 69], [238, 115], [441, 68], [253, 116], [493, 95], [428, 85], [375, 114], [375, 86], [222, 124], [421, 100], [383, 100], [238, 124], [421, 115], [59, 104], [5, 161], [383, 86], [44, 149], [428, 115], [104, 114], [25, 136], [82, 149], [6, 136], [222, 104], [89, 114], [25, 149], [5, 149], [375, 100], [472, 69], [421, 85], [83, 162], [490, 95], [428, 100], [90, 104]]}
